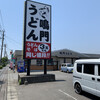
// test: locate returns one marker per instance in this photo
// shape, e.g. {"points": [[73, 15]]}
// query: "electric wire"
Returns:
{"points": [[12, 40], [7, 38], [7, 45], [2, 20], [2, 30]]}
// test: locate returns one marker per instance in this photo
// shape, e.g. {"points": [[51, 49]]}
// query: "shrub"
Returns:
{"points": [[0, 67], [3, 65], [4, 61]]}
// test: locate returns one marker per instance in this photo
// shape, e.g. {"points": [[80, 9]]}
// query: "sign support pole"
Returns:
{"points": [[28, 67], [45, 67]]}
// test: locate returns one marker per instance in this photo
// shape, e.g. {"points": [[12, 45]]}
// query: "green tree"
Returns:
{"points": [[4, 61]]}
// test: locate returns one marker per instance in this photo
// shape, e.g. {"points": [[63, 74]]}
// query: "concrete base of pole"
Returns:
{"points": [[23, 79]]}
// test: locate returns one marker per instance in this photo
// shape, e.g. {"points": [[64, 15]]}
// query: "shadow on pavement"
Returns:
{"points": [[59, 80], [90, 96]]}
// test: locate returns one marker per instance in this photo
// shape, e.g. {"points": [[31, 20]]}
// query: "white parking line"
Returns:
{"points": [[67, 94]]}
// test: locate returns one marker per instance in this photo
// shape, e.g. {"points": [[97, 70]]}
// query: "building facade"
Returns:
{"points": [[57, 58]]}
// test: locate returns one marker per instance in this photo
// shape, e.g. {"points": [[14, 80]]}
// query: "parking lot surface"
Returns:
{"points": [[61, 89]]}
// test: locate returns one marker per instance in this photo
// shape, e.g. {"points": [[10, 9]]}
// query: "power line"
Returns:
{"points": [[7, 45], [8, 49], [13, 43], [16, 45], [0, 27], [2, 19], [13, 40]]}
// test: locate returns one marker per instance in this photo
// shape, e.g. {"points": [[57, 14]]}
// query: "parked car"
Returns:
{"points": [[86, 76], [67, 67]]}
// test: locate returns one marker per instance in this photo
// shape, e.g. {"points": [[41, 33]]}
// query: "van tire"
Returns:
{"points": [[78, 88], [67, 71]]}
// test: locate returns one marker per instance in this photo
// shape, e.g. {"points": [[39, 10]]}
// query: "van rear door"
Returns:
{"points": [[89, 78], [98, 80]]}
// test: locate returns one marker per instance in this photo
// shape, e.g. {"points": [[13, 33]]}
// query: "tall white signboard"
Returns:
{"points": [[37, 31]]}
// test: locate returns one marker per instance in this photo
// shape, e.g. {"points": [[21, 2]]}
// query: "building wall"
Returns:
{"points": [[58, 57], [34, 67], [56, 64], [60, 60], [33, 62]]}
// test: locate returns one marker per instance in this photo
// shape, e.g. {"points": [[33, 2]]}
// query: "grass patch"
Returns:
{"points": [[20, 82]]}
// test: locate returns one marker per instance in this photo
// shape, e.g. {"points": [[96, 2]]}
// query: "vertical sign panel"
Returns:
{"points": [[37, 31]]}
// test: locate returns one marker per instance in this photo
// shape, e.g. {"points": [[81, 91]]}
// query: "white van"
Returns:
{"points": [[86, 76], [67, 67]]}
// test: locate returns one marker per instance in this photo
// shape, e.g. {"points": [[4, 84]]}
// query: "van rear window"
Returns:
{"points": [[79, 68], [69, 65], [98, 70], [89, 69]]}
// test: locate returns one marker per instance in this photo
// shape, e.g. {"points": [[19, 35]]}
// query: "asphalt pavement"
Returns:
{"points": [[61, 89]]}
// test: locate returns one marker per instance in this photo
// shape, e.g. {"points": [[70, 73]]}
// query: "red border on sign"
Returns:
{"points": [[37, 50]]}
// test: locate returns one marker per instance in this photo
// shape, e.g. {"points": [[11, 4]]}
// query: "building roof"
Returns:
{"points": [[93, 55], [68, 53], [65, 53]]}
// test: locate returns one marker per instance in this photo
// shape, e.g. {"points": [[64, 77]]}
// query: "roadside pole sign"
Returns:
{"points": [[37, 31]]}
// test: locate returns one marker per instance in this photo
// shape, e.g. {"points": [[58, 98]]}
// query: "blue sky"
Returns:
{"points": [[75, 24]]}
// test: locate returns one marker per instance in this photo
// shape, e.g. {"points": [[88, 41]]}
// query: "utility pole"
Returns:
{"points": [[5, 50], [2, 43]]}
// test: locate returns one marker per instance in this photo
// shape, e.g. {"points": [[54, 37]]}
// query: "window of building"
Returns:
{"points": [[50, 61], [99, 70], [70, 53], [60, 52], [89, 69], [64, 60], [39, 62], [79, 68]]}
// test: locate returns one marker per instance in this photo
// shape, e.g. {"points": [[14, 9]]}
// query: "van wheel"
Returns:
{"points": [[78, 88], [66, 71]]}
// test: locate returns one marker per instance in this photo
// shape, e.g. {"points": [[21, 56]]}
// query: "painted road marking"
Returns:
{"points": [[67, 94]]}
